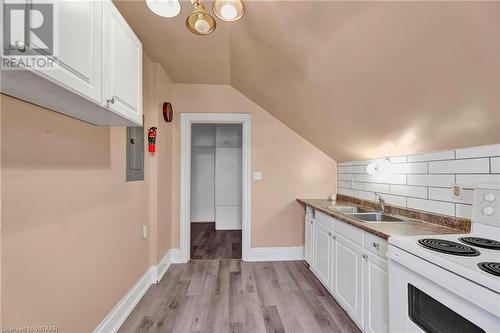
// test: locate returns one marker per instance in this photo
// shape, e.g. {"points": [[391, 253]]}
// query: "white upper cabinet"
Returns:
{"points": [[122, 64], [98, 72], [79, 52]]}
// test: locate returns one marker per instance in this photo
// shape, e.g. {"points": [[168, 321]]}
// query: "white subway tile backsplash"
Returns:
{"points": [[480, 151], [387, 179], [464, 211], [352, 169], [343, 176], [398, 159], [441, 155], [409, 168], [470, 181], [431, 180], [495, 165], [481, 165], [438, 207], [394, 200], [409, 191], [424, 181], [374, 187], [359, 186], [346, 191], [365, 195], [445, 194]]}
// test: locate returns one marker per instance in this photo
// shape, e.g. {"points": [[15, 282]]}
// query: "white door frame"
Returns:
{"points": [[187, 119]]}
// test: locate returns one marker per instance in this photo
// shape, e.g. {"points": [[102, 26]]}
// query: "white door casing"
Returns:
{"points": [[187, 119]]}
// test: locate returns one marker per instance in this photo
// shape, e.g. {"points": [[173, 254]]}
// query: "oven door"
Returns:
{"points": [[426, 298]]}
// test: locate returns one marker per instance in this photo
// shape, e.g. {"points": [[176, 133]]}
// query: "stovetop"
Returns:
{"points": [[467, 266], [474, 256]]}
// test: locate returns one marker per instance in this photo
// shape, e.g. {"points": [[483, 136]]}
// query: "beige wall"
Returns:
{"points": [[291, 166], [71, 241]]}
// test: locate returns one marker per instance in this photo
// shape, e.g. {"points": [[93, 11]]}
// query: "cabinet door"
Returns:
{"points": [[322, 251], [78, 48], [376, 294], [308, 240], [122, 66], [347, 277]]}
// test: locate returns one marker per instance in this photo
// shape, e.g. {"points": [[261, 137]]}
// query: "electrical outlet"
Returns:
{"points": [[144, 231], [456, 191]]}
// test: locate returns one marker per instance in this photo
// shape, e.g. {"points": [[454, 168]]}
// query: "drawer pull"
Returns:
{"points": [[365, 256], [329, 233], [376, 245]]}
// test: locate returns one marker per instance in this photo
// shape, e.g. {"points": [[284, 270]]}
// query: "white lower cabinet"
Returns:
{"points": [[309, 240], [322, 253], [375, 294], [352, 264], [347, 277]]}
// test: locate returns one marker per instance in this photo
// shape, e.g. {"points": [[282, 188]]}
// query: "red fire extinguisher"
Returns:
{"points": [[152, 140]]}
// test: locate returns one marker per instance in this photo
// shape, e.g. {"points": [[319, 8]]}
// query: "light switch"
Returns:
{"points": [[144, 231], [257, 175]]}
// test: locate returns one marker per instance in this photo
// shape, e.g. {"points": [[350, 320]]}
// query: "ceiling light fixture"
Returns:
{"points": [[199, 21], [228, 10], [165, 8]]}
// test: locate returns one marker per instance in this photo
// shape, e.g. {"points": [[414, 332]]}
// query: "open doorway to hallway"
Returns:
{"points": [[216, 191]]}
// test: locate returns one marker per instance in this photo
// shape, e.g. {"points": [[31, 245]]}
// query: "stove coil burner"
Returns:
{"points": [[444, 246], [490, 267], [481, 242]]}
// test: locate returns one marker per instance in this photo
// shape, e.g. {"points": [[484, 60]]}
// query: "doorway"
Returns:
{"points": [[216, 191], [215, 186]]}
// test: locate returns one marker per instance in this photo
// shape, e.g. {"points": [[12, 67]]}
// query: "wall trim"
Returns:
{"points": [[117, 316], [185, 173], [275, 253]]}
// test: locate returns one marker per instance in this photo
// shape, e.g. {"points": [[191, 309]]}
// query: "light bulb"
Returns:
{"points": [[201, 25], [228, 11], [165, 8]]}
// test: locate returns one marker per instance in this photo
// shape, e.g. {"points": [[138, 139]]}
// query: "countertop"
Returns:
{"points": [[383, 230]]}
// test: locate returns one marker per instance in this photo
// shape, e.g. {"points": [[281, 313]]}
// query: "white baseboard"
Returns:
{"points": [[275, 253], [173, 256], [117, 316]]}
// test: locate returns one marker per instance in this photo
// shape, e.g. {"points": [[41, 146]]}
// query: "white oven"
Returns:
{"points": [[424, 297]]}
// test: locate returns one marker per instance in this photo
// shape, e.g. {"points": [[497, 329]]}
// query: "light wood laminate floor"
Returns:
{"points": [[234, 296]]}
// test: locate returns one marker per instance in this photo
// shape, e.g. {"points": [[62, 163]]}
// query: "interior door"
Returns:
{"points": [[122, 66], [77, 46], [348, 277]]}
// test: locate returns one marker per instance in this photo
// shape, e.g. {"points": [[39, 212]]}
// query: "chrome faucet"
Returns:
{"points": [[382, 202]]}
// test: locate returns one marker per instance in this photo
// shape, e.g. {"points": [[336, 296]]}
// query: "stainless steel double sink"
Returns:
{"points": [[366, 215]]}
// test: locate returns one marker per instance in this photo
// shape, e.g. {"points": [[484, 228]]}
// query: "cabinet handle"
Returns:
{"points": [[334, 237], [330, 233], [365, 256], [111, 100], [20, 46], [376, 245]]}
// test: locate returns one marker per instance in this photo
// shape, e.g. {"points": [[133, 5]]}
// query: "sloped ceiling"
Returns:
{"points": [[356, 79]]}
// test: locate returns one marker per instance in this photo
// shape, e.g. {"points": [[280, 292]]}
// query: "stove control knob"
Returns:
{"points": [[488, 211], [490, 197]]}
